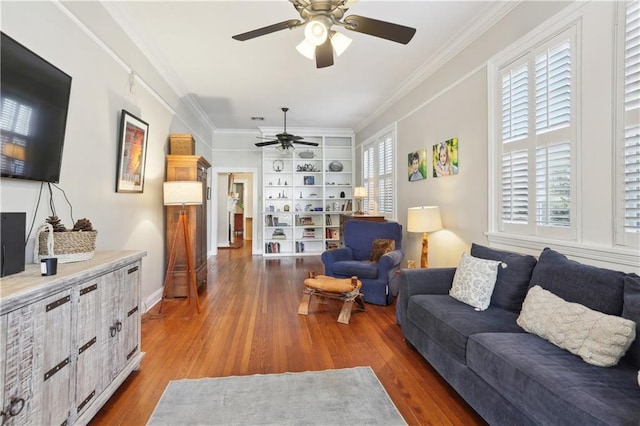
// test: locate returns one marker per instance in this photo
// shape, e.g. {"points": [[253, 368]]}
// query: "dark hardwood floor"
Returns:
{"points": [[249, 325]]}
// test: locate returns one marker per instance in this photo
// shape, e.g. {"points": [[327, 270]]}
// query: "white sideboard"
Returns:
{"points": [[68, 341]]}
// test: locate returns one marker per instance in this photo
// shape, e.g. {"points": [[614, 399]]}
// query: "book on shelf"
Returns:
{"points": [[299, 247]]}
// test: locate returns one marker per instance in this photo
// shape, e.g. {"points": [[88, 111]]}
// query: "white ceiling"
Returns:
{"points": [[231, 81]]}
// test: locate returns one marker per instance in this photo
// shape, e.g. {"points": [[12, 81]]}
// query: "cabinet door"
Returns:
{"points": [[130, 335], [37, 372], [89, 365], [120, 328]]}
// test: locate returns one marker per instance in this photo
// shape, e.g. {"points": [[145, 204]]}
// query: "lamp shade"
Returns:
{"points": [[424, 219], [359, 192], [178, 193]]}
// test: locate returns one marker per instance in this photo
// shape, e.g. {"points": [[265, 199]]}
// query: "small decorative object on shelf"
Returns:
{"points": [[335, 166], [278, 165], [306, 154]]}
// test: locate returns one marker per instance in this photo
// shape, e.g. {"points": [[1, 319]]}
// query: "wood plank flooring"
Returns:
{"points": [[249, 325]]}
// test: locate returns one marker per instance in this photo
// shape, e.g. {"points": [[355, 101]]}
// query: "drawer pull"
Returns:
{"points": [[132, 353], [86, 346], [57, 303], [132, 270], [55, 369], [133, 311], [88, 289], [86, 400]]}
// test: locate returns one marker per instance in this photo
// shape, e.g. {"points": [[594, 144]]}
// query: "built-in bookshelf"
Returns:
{"points": [[305, 191]]}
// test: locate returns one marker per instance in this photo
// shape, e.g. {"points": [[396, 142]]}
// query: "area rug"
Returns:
{"points": [[350, 396]]}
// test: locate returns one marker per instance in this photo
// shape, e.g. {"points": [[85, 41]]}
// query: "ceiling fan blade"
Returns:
{"points": [[382, 29], [306, 143], [291, 23], [267, 143], [324, 54]]}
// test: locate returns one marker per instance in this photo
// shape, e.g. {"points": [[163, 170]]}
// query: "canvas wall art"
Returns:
{"points": [[417, 165], [445, 158]]}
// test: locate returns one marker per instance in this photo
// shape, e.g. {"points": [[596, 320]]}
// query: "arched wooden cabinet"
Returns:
{"points": [[187, 168]]}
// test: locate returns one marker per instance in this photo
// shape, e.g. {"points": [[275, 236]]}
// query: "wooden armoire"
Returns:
{"points": [[188, 167]]}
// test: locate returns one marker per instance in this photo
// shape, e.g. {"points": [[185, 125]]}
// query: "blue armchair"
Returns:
{"points": [[379, 279]]}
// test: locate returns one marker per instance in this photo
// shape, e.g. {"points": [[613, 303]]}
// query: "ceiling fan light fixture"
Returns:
{"points": [[306, 49], [340, 42], [317, 30], [284, 150]]}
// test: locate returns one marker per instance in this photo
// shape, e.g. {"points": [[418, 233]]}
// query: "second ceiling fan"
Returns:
{"points": [[286, 140], [319, 16]]}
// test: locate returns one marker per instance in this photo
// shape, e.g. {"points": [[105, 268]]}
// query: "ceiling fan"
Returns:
{"points": [[286, 140], [319, 16]]}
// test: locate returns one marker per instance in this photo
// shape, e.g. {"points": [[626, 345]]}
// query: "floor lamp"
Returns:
{"points": [[182, 193], [424, 219]]}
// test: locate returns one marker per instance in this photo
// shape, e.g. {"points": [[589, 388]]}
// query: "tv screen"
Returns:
{"points": [[35, 100]]}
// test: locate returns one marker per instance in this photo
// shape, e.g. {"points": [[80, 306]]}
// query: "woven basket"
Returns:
{"points": [[71, 246]]}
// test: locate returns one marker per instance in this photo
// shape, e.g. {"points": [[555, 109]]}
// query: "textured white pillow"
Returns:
{"points": [[597, 338], [474, 280]]}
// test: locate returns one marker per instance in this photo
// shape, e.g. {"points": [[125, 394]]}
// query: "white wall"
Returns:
{"points": [[452, 102], [100, 59]]}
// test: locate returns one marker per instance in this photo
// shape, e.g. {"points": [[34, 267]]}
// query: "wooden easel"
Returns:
{"points": [[191, 273]]}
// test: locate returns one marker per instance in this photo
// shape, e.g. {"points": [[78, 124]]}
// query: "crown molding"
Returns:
{"points": [[120, 14], [494, 13]]}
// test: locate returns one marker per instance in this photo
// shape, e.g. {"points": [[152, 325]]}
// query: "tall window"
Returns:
{"points": [[629, 107], [378, 173], [536, 139]]}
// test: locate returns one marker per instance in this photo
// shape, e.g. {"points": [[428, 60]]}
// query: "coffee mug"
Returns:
{"points": [[49, 266]]}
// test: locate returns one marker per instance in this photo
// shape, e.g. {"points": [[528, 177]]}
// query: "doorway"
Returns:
{"points": [[234, 208]]}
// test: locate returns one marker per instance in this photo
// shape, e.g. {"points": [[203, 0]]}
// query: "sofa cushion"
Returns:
{"points": [[631, 310], [513, 279], [596, 288], [597, 338], [552, 386], [474, 280], [361, 269], [381, 247], [450, 322]]}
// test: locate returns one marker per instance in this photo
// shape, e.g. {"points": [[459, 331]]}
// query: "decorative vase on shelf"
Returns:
{"points": [[335, 166]]}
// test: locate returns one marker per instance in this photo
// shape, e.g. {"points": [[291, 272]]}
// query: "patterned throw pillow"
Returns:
{"points": [[599, 339], [380, 247], [474, 280]]}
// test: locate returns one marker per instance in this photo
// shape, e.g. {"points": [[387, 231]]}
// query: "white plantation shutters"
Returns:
{"points": [[378, 174], [537, 131], [631, 152], [385, 175]]}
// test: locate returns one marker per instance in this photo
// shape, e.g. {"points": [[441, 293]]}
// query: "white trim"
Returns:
{"points": [[137, 77], [493, 14], [594, 255]]}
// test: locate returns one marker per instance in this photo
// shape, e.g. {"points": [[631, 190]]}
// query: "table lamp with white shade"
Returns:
{"points": [[359, 193], [424, 219], [182, 193]]}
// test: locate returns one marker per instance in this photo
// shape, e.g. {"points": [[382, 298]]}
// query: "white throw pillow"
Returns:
{"points": [[597, 338], [474, 281]]}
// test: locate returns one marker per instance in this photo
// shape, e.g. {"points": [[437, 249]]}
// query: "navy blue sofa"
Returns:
{"points": [[379, 279], [509, 376]]}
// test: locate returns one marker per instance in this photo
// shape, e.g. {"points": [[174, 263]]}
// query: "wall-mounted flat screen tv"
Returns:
{"points": [[35, 100]]}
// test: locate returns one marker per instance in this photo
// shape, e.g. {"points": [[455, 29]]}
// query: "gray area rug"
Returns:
{"points": [[350, 396]]}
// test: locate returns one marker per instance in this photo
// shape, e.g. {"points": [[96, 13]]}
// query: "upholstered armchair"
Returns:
{"points": [[379, 277]]}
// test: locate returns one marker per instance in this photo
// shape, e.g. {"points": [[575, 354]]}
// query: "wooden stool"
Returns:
{"points": [[324, 287]]}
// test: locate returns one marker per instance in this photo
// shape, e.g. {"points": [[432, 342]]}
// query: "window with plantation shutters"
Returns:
{"points": [[378, 174], [536, 138], [630, 133]]}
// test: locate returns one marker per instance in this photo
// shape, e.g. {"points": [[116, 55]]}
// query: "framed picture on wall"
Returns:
{"points": [[417, 165], [132, 153], [445, 158]]}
